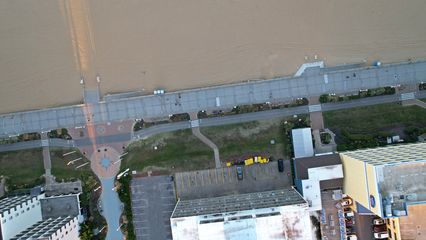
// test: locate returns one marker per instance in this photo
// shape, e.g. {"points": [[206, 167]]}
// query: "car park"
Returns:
{"points": [[382, 235]]}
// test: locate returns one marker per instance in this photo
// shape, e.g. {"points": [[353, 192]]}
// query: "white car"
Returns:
{"points": [[378, 221], [352, 237], [381, 235], [349, 214]]}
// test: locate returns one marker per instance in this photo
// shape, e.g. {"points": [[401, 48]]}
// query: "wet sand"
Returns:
{"points": [[146, 44]]}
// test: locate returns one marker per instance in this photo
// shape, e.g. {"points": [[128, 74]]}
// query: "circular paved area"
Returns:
{"points": [[104, 162]]}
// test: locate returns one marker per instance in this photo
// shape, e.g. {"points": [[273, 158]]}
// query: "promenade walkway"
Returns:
{"points": [[313, 82]]}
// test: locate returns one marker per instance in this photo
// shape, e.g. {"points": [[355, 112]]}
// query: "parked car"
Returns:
{"points": [[350, 221], [349, 214], [351, 237], [346, 202], [280, 165], [239, 173], [346, 209], [380, 228], [382, 235], [378, 221]]}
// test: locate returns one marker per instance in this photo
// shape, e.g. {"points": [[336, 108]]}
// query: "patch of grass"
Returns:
{"points": [[249, 138], [22, 168], [239, 140], [61, 170], [423, 99], [175, 151], [365, 126]]}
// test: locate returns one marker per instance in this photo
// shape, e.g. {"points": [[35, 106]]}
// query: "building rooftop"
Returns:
{"points": [[238, 202], [63, 205], [391, 154], [10, 202], [44, 228], [301, 165], [302, 142]]}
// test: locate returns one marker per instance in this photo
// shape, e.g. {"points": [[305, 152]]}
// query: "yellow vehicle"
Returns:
{"points": [[249, 161], [263, 160], [228, 164]]}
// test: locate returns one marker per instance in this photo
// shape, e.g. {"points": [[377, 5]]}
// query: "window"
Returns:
{"points": [[4, 220], [393, 224], [28, 208], [32, 206], [395, 236], [10, 218], [22, 211]]}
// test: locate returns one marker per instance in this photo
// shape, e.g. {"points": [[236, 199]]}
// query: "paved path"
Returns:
{"points": [[416, 102], [313, 82], [207, 122], [47, 163], [196, 131]]}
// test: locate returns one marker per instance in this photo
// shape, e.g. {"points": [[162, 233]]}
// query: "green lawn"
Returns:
{"points": [[22, 168], [239, 140], [367, 124], [61, 170], [25, 168], [176, 151]]}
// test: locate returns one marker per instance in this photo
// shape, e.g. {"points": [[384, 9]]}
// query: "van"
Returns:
{"points": [[280, 165]]}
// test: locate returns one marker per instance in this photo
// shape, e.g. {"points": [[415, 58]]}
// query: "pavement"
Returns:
{"points": [[313, 82], [153, 201], [195, 127], [224, 181], [47, 163], [207, 122]]}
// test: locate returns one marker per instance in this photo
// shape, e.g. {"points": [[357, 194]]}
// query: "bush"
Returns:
{"points": [[325, 98], [124, 195]]}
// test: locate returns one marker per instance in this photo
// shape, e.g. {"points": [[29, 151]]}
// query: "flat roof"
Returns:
{"points": [[302, 165], [302, 142], [43, 229], [239, 202], [394, 154]]}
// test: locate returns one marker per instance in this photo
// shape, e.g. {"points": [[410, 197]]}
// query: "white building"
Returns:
{"points": [[316, 174], [18, 213], [302, 142], [280, 214], [61, 228]]}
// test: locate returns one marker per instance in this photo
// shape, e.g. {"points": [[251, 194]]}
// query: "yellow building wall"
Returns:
{"points": [[393, 228], [354, 183], [373, 189]]}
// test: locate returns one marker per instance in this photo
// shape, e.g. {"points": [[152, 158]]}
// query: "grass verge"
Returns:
{"points": [[175, 151], [369, 126]]}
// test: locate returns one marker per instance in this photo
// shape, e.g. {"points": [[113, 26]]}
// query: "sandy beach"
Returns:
{"points": [[145, 44]]}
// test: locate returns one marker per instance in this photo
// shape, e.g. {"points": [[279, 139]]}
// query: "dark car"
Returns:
{"points": [[239, 173], [280, 165], [380, 228]]}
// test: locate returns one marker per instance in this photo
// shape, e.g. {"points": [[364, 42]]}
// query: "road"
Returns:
{"points": [[313, 82], [207, 122]]}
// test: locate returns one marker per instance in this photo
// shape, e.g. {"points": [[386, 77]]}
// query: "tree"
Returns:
{"points": [[86, 231]]}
